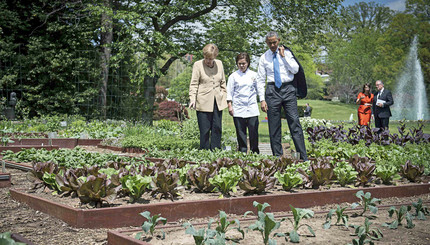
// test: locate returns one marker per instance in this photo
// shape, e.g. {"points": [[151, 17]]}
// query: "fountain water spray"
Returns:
{"points": [[410, 99]]}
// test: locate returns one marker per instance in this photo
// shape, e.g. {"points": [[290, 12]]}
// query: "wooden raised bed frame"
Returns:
{"points": [[115, 217]]}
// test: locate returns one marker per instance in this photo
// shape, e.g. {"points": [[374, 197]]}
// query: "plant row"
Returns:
{"points": [[267, 225], [96, 184], [369, 135]]}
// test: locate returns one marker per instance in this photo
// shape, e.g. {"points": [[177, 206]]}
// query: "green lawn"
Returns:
{"points": [[334, 111]]}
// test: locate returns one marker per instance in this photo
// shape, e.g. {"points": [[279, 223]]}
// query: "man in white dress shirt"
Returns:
{"points": [[242, 103], [278, 66]]}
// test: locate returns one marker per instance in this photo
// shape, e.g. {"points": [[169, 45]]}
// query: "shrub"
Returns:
{"points": [[170, 110]]}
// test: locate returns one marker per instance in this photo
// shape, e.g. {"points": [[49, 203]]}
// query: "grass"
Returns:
{"points": [[333, 111]]}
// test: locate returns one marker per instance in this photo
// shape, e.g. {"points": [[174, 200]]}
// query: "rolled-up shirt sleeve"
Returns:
{"points": [[289, 62]]}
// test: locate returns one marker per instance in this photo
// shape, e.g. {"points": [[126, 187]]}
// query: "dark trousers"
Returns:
{"points": [[241, 125], [210, 125], [284, 96], [381, 123]]}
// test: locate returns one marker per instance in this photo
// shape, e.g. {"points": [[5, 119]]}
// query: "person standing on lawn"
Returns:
{"points": [[381, 106], [278, 66], [208, 97], [242, 103], [365, 101]]}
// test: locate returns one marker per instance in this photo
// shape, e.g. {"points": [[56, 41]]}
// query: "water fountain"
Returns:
{"points": [[410, 99]]}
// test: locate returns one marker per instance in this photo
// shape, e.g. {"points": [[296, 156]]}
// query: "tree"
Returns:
{"points": [[179, 86]]}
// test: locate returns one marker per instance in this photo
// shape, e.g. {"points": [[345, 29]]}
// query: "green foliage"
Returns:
{"points": [[365, 231], [226, 179], [265, 223], [402, 213], [97, 189], [387, 173], [165, 185], [420, 210], [135, 185], [298, 215], [6, 239], [366, 202], [289, 179], [150, 224], [340, 217], [345, 173], [179, 87], [223, 225]]}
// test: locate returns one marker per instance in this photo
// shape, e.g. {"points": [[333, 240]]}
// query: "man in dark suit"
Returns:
{"points": [[383, 99], [277, 66]]}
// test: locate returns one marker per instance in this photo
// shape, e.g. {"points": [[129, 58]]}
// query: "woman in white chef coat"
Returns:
{"points": [[242, 103]]}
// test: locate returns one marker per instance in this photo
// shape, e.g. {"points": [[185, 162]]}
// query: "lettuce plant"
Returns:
{"points": [[226, 180], [412, 172], [320, 172], [345, 173], [367, 202], [364, 167], [341, 216], [97, 189], [289, 179], [256, 181], [150, 224], [199, 177], [387, 173], [165, 185], [420, 210], [402, 213], [135, 185], [265, 223]]}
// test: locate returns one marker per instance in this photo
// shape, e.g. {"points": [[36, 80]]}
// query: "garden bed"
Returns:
{"points": [[127, 215], [17, 148], [337, 234], [60, 142]]}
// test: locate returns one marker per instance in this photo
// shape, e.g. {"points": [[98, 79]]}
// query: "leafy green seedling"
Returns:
{"points": [[203, 235], [298, 215], [420, 210], [224, 224], [361, 240], [367, 202], [402, 213], [340, 217], [265, 223], [365, 229], [136, 185], [345, 173], [387, 173], [226, 180], [151, 223]]}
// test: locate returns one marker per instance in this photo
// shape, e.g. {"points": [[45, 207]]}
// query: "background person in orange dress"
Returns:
{"points": [[365, 100]]}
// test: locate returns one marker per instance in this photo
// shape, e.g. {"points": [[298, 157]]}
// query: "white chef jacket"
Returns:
{"points": [[242, 91]]}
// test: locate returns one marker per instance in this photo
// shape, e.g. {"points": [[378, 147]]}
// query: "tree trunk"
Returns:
{"points": [[105, 42], [149, 95]]}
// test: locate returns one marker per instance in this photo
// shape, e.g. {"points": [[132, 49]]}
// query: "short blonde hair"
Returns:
{"points": [[210, 51]]}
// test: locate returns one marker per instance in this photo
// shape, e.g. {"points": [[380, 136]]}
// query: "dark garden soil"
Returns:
{"points": [[40, 228]]}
